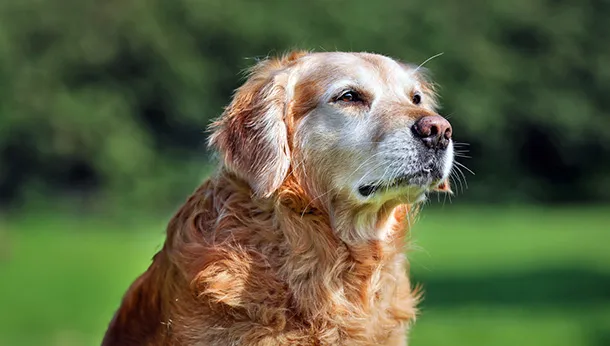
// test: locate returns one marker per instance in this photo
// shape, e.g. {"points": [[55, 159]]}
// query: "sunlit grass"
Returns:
{"points": [[490, 239], [63, 277]]}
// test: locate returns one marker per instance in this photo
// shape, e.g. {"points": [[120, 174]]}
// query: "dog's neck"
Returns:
{"points": [[354, 224], [345, 243], [328, 270]]}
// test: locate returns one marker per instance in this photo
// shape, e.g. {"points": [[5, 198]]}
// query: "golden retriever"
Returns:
{"points": [[300, 237]]}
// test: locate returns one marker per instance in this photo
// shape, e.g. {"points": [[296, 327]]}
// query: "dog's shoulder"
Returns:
{"points": [[137, 322]]}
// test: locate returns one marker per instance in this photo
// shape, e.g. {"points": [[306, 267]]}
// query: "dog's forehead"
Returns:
{"points": [[367, 68]]}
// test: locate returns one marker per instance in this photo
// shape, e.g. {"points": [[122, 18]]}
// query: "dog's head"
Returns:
{"points": [[354, 126]]}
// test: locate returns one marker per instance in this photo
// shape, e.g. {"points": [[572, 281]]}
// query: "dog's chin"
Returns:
{"points": [[407, 188]]}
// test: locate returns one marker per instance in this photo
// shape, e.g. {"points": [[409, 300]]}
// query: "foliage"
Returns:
{"points": [[113, 98]]}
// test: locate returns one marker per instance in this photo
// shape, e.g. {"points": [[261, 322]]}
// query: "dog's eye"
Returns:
{"points": [[416, 98], [349, 96]]}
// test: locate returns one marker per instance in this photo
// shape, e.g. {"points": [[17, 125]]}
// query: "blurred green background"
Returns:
{"points": [[103, 110]]}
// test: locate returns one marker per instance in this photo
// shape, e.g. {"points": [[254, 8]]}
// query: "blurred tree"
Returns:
{"points": [[112, 98]]}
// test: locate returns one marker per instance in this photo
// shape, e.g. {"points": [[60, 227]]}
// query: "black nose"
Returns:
{"points": [[433, 130]]}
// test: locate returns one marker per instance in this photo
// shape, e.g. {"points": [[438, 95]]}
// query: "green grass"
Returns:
{"points": [[492, 276]]}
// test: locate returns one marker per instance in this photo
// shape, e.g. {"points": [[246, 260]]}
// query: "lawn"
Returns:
{"points": [[492, 276]]}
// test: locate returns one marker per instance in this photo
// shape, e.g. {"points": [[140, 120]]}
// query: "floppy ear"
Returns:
{"points": [[251, 135]]}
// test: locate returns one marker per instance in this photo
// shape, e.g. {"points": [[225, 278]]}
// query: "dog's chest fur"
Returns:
{"points": [[233, 272], [251, 278]]}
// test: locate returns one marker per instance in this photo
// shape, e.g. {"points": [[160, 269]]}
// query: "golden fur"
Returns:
{"points": [[262, 253]]}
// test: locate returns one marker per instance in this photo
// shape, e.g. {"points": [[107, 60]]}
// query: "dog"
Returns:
{"points": [[300, 236]]}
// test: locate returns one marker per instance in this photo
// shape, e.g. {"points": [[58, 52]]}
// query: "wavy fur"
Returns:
{"points": [[256, 257]]}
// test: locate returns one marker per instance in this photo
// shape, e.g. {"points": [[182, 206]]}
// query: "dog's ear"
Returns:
{"points": [[251, 135]]}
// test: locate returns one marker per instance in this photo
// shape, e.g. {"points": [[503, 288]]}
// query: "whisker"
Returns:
{"points": [[462, 174], [394, 171], [367, 160], [461, 179], [425, 61], [464, 166], [379, 164], [351, 174], [456, 180], [409, 218], [462, 182]]}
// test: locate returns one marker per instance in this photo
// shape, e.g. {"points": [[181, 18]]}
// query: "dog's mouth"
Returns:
{"points": [[422, 179], [370, 189]]}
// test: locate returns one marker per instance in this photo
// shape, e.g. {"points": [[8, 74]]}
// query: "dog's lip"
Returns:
{"points": [[401, 181]]}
